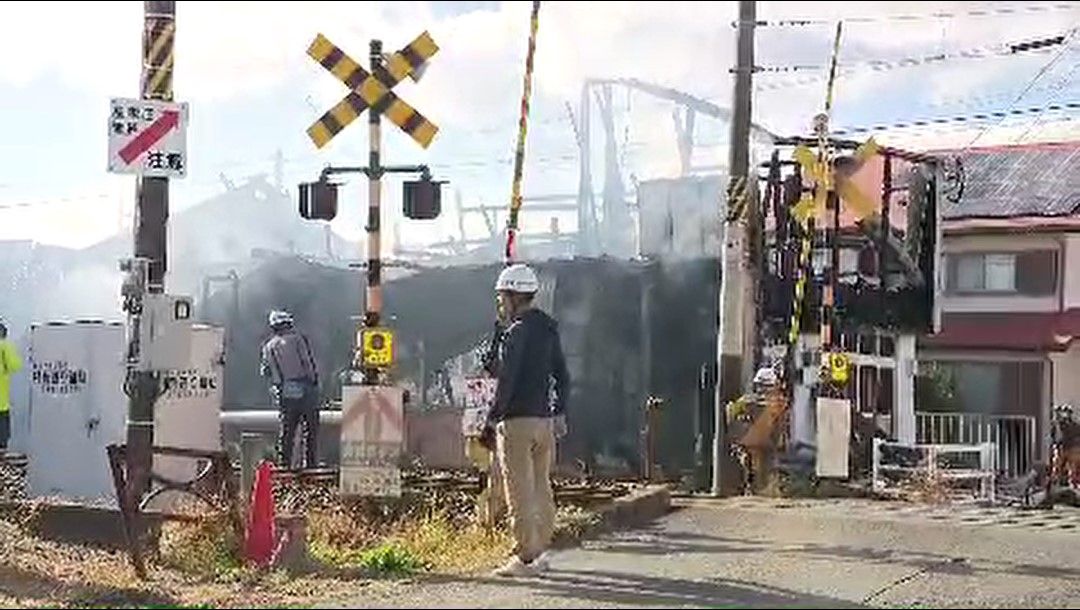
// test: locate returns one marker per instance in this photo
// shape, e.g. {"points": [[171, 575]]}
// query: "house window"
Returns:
{"points": [[990, 388], [1031, 273], [1000, 272]]}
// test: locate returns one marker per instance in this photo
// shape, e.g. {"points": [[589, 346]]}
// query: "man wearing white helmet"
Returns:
{"points": [[9, 365], [528, 413], [288, 362]]}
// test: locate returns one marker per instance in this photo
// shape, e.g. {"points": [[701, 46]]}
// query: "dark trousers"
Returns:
{"points": [[302, 413], [5, 430]]}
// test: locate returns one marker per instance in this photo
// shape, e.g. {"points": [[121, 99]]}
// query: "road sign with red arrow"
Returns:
{"points": [[372, 439], [148, 138]]}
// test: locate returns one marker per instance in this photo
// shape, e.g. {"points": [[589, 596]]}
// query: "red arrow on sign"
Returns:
{"points": [[169, 120], [382, 409]]}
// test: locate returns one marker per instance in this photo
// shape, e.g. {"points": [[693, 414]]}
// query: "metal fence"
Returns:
{"points": [[899, 463], [1013, 435]]}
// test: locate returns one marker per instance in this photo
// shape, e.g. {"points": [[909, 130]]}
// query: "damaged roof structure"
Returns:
{"points": [[630, 329]]}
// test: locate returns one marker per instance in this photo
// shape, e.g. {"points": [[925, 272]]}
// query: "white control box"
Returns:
{"points": [[165, 332]]}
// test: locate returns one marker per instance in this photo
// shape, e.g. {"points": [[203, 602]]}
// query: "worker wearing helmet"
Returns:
{"points": [[527, 416], [9, 365], [288, 362]]}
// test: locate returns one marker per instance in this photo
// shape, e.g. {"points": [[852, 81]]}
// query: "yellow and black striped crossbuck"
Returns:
{"points": [[372, 90]]}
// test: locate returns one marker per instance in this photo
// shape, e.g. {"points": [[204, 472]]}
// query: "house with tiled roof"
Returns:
{"points": [[1009, 344]]}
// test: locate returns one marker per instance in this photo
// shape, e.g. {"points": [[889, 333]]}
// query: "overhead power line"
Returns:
{"points": [[977, 117], [1030, 85], [60, 200], [994, 50], [984, 52], [1059, 89], [1023, 9]]}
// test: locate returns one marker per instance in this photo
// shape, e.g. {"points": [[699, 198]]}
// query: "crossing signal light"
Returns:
{"points": [[318, 200], [422, 198]]}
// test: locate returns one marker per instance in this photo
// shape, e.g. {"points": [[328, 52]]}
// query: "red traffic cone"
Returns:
{"points": [[260, 535]]}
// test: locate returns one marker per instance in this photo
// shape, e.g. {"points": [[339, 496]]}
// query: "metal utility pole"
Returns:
{"points": [[151, 219], [373, 298], [733, 304]]}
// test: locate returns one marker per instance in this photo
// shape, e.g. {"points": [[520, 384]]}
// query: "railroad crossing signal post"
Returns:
{"points": [[373, 300], [372, 414], [372, 90]]}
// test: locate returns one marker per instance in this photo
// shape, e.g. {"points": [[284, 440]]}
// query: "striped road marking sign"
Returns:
{"points": [[372, 90]]}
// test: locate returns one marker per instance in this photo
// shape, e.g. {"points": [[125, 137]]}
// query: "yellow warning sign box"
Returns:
{"points": [[377, 346], [839, 368]]}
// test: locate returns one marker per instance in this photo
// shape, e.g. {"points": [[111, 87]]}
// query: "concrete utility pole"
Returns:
{"points": [[733, 301], [151, 220]]}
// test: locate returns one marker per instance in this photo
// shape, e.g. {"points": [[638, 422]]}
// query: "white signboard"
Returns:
{"points": [[148, 138], [372, 436], [479, 397], [833, 437]]}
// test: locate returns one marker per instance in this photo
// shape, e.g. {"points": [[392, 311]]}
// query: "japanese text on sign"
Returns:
{"points": [[370, 481], [479, 396], [372, 437], [148, 138], [58, 377]]}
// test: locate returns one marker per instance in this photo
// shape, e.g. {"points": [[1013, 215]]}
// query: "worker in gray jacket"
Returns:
{"points": [[528, 415], [288, 362]]}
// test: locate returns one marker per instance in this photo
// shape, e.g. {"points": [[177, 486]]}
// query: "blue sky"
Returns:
{"points": [[253, 91]]}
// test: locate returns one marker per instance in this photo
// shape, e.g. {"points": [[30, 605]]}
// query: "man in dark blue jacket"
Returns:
{"points": [[528, 414]]}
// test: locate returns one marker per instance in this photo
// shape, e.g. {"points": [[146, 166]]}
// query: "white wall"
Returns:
{"points": [[1066, 376], [1071, 271]]}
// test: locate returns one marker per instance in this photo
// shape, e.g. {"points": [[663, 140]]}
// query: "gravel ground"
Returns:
{"points": [[766, 553]]}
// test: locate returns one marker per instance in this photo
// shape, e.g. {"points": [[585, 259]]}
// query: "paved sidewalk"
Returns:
{"points": [[766, 553]]}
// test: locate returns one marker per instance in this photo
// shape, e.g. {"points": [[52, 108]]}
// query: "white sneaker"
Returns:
{"points": [[516, 567], [542, 563]]}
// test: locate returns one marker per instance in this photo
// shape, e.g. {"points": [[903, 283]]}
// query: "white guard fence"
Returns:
{"points": [[897, 464], [1013, 435]]}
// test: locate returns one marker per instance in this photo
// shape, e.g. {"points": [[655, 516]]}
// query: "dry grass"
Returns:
{"points": [[435, 539], [927, 488], [198, 563], [207, 549], [35, 573], [446, 546], [573, 522]]}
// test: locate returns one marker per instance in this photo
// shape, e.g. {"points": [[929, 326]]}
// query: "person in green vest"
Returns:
{"points": [[9, 365]]}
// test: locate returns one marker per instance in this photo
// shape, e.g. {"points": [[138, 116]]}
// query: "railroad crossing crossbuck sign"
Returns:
{"points": [[827, 178], [373, 90], [148, 138]]}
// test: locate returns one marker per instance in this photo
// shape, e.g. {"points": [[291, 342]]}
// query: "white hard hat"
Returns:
{"points": [[279, 317], [518, 278], [765, 376]]}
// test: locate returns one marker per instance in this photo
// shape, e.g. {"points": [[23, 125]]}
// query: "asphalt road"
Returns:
{"points": [[755, 553]]}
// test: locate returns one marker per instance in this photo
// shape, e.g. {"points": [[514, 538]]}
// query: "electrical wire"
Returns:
{"points": [[1007, 49], [917, 17], [1042, 72], [978, 117], [1058, 91], [996, 51]]}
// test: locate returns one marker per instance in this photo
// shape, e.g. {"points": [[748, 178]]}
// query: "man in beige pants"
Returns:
{"points": [[528, 414]]}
